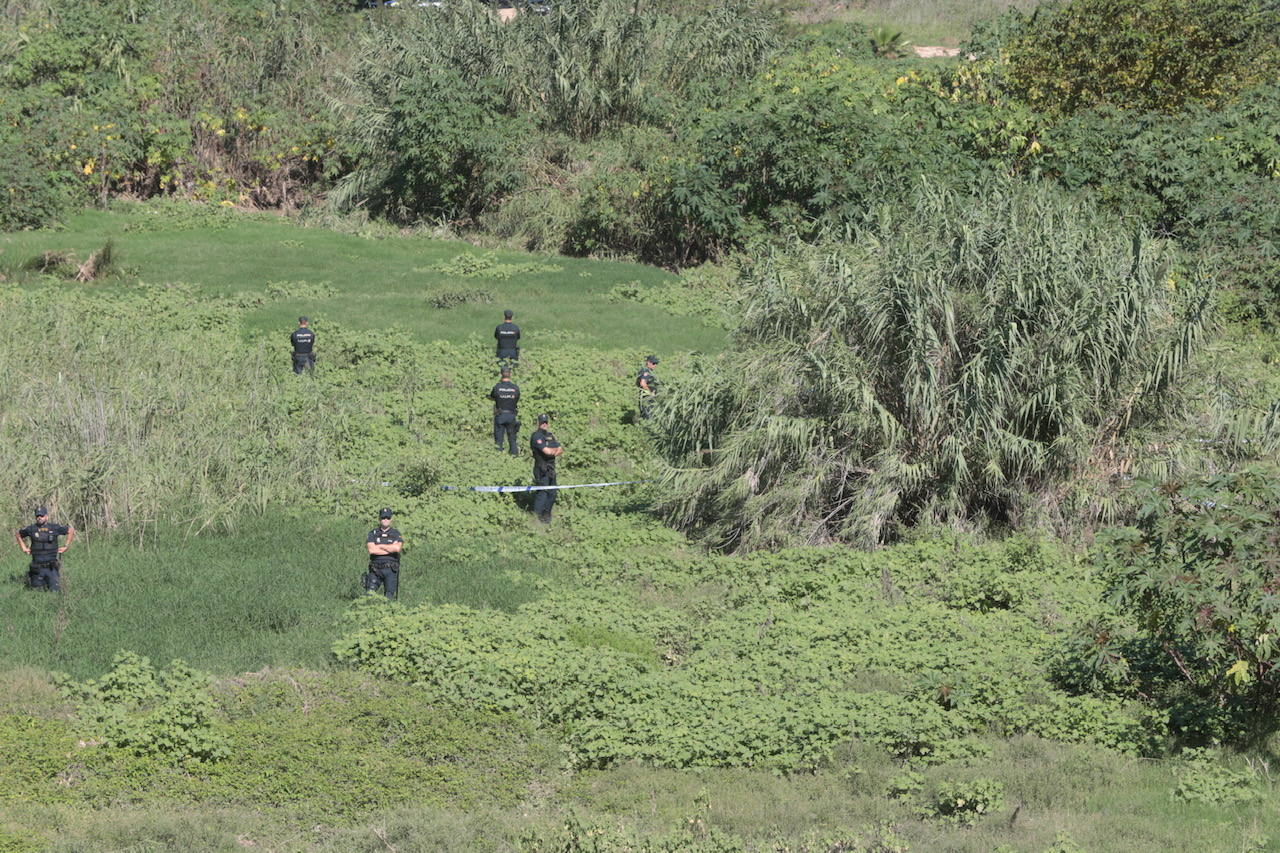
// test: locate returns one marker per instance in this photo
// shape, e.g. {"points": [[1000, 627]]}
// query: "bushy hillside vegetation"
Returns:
{"points": [[673, 133]]}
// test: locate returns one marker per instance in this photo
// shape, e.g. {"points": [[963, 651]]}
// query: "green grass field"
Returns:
{"points": [[269, 594], [325, 756], [921, 22], [377, 283]]}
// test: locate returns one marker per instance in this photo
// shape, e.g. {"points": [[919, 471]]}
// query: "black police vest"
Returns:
{"points": [[303, 339], [508, 335], [44, 544], [505, 395]]}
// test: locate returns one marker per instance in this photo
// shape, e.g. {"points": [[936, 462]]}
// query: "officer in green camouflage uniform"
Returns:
{"points": [[647, 387]]}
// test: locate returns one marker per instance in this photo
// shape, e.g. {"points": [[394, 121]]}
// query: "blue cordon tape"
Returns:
{"points": [[501, 490]]}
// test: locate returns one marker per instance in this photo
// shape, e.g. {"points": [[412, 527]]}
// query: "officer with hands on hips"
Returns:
{"points": [[46, 567]]}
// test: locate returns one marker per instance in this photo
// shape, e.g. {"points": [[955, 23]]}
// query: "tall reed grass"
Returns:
{"points": [[960, 362], [152, 411]]}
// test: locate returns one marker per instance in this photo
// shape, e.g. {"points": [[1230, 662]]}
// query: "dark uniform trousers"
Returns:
{"points": [[45, 575], [505, 424], [645, 403], [543, 500], [384, 575], [304, 361], [506, 356]]}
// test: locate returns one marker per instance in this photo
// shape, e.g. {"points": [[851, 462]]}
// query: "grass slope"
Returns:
{"points": [[376, 283], [269, 594], [945, 23], [326, 759]]}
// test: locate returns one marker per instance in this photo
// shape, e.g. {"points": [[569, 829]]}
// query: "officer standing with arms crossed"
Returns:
{"points": [[647, 384], [384, 544], [508, 336], [45, 570], [505, 396], [303, 340], [546, 450]]}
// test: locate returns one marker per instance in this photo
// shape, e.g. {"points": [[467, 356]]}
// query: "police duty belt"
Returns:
{"points": [[503, 490]]}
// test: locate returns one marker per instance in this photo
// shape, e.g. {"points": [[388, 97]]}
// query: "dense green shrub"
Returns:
{"points": [[815, 139], [963, 358], [1204, 779], [1237, 224], [800, 653], [1172, 170], [167, 714], [622, 202], [1196, 578], [485, 93], [30, 196], [966, 802], [216, 100], [435, 146], [487, 266]]}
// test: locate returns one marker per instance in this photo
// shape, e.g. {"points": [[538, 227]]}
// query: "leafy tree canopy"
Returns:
{"points": [[1149, 54]]}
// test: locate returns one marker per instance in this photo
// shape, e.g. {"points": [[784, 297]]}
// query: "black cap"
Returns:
{"points": [[652, 359], [385, 512], [304, 320], [544, 418], [507, 314], [41, 510]]}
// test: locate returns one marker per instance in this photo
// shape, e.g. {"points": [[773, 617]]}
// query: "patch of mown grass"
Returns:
{"points": [[945, 23], [600, 637], [270, 593], [377, 283]]}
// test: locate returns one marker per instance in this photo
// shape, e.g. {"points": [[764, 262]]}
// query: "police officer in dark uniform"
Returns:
{"points": [[647, 386], [546, 450], [505, 395], [384, 544], [508, 336], [46, 567], [304, 341]]}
